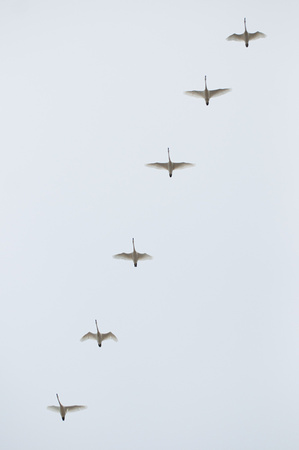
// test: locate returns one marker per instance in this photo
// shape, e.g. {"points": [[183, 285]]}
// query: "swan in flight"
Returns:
{"points": [[170, 166], [246, 37], [206, 94], [99, 337], [135, 256], [64, 409]]}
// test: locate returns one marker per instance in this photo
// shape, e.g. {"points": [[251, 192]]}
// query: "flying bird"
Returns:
{"points": [[64, 409], [246, 37], [99, 337], [206, 94], [170, 166], [135, 256]]}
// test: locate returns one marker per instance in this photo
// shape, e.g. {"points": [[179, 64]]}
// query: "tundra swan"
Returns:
{"points": [[206, 94], [170, 166], [64, 409], [246, 37], [100, 337], [135, 256]]}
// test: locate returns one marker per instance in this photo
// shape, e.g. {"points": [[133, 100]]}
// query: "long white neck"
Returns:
{"points": [[168, 155], [58, 399], [245, 23], [96, 322], [133, 245], [206, 82]]}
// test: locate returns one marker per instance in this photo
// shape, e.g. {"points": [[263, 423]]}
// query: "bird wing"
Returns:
{"points": [[256, 35], [88, 336], [53, 408], [144, 256], [236, 37], [123, 256], [181, 165], [158, 165], [74, 408], [109, 336], [216, 92], [196, 93]]}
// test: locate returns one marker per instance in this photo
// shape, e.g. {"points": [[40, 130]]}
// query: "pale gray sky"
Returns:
{"points": [[208, 353]]}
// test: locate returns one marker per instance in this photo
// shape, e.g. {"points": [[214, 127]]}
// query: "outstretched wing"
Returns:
{"points": [[109, 336], [53, 408], [256, 35], [158, 165], [236, 37], [144, 256], [216, 92], [196, 93], [74, 408], [181, 165], [88, 336], [123, 256]]}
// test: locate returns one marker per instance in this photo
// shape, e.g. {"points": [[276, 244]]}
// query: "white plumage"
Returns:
{"points": [[99, 337], [64, 409], [134, 256], [170, 166], [246, 37], [207, 94]]}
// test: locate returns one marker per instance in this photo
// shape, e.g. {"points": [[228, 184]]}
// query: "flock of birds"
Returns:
{"points": [[99, 337], [170, 166]]}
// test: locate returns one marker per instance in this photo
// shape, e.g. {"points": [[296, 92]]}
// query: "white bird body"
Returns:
{"points": [[64, 409], [246, 37], [98, 336], [207, 94], [135, 256], [170, 166]]}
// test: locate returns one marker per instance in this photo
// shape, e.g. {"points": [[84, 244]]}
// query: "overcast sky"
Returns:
{"points": [[208, 354]]}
